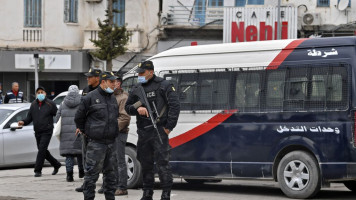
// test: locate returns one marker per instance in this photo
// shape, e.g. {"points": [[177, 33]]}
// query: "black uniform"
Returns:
{"points": [[88, 89], [149, 148], [97, 119], [41, 114]]}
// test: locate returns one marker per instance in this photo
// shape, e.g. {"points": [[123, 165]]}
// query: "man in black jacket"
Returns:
{"points": [[93, 78], [163, 95], [41, 112], [96, 118]]}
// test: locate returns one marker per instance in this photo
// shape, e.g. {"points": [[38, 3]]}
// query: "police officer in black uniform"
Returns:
{"points": [[149, 149], [93, 78], [96, 118]]}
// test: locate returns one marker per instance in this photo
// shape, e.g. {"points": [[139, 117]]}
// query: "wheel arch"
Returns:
{"points": [[307, 145]]}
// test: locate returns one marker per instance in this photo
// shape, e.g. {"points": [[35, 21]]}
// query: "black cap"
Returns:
{"points": [[93, 72], [145, 65], [107, 76], [40, 88]]}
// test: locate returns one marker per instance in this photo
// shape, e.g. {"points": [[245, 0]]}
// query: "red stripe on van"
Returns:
{"points": [[201, 129], [285, 53]]}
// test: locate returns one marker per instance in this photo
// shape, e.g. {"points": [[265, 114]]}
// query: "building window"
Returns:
{"points": [[240, 3], [33, 13], [256, 2], [216, 3], [323, 3], [71, 11], [119, 17]]}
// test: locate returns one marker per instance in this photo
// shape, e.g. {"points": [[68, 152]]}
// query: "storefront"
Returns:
{"points": [[58, 70]]}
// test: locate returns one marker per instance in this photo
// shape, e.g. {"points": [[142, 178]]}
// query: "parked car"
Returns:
{"points": [[60, 97], [18, 145]]}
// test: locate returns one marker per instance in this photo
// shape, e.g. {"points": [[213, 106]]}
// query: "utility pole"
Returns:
{"points": [[36, 70], [279, 20]]}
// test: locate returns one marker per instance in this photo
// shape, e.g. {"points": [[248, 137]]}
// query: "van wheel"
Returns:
{"points": [[134, 179], [351, 185], [299, 175]]}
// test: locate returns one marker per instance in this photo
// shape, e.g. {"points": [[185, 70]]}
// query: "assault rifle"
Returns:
{"points": [[145, 102]]}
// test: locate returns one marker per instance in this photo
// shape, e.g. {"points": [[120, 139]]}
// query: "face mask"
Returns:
{"points": [[40, 97], [108, 90], [141, 79]]}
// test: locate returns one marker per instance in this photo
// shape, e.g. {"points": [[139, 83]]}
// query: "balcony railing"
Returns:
{"points": [[135, 42], [32, 35], [194, 16]]}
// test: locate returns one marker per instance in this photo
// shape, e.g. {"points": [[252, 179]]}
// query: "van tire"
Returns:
{"points": [[133, 167], [351, 185], [298, 175]]}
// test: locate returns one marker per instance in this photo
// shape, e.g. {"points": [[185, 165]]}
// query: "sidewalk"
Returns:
{"points": [[20, 184]]}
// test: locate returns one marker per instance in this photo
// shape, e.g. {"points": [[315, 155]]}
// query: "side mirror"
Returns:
{"points": [[15, 126]]}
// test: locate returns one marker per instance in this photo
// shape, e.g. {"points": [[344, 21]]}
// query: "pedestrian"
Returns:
{"points": [[15, 95], [96, 118], [93, 79], [163, 95], [41, 113], [123, 123], [70, 146], [52, 95]]}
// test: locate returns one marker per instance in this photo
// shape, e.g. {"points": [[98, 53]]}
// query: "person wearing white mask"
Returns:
{"points": [[41, 113]]}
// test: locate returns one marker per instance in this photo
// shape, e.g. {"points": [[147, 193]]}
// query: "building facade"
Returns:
{"points": [[59, 31], [203, 21]]}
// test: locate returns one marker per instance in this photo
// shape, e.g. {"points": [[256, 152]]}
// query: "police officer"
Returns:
{"points": [[149, 149], [93, 78], [96, 118], [14, 95]]}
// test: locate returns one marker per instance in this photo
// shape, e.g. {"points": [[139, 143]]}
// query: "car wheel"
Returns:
{"points": [[351, 185], [134, 179], [299, 175]]}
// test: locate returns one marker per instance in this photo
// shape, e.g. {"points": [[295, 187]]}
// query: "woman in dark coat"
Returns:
{"points": [[70, 146]]}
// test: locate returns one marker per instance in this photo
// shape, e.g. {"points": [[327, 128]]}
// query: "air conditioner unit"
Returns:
{"points": [[311, 19], [93, 1]]}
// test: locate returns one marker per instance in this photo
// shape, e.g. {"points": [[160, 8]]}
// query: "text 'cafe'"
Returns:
{"points": [[258, 24]]}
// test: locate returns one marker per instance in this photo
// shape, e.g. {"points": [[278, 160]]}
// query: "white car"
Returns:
{"points": [[60, 97], [18, 145]]}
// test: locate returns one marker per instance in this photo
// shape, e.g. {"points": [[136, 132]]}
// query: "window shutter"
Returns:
{"points": [[66, 10], [75, 17]]}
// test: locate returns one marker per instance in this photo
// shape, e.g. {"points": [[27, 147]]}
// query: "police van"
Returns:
{"points": [[274, 110]]}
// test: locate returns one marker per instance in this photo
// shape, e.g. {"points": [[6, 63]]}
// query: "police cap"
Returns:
{"points": [[93, 72], [107, 76], [145, 65]]}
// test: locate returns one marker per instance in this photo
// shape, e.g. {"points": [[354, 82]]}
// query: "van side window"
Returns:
{"points": [[188, 91], [296, 89], [247, 91], [275, 89], [128, 83]]}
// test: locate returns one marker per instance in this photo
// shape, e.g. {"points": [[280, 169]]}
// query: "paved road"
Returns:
{"points": [[19, 184]]}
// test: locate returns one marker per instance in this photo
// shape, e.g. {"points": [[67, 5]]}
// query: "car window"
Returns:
{"points": [[59, 100], [18, 117], [4, 114]]}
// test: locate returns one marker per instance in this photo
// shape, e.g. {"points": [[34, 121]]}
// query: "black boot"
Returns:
{"points": [[81, 173], [166, 195], [70, 177], [80, 189], [147, 195]]}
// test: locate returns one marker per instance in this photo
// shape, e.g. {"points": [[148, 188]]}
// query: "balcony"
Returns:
{"points": [[134, 44], [193, 17], [32, 35]]}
